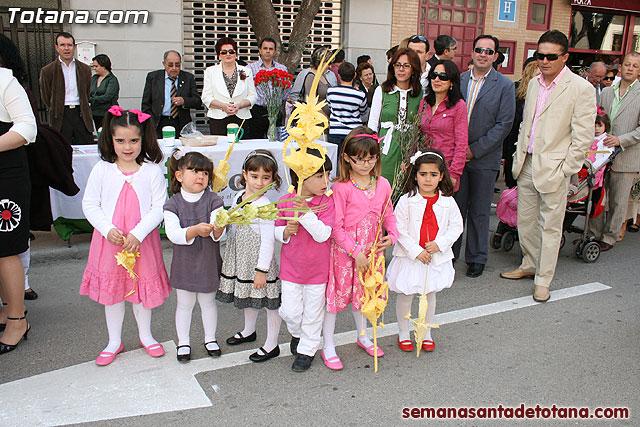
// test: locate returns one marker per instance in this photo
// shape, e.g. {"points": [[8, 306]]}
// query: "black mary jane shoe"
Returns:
{"points": [[6, 348], [237, 341], [256, 357], [302, 363], [294, 345], [183, 358], [213, 353]]}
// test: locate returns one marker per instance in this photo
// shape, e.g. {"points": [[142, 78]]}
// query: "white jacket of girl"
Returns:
{"points": [[409, 213], [215, 88]]}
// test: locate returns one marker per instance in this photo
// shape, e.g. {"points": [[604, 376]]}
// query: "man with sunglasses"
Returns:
{"points": [[170, 94], [609, 78], [597, 71], [558, 124], [622, 104], [491, 105], [420, 45]]}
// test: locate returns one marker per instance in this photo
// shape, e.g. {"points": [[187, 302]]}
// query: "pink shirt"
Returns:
{"points": [[543, 95], [352, 205], [449, 130], [303, 260]]}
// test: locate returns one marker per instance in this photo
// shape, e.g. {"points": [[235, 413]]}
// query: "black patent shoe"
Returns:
{"points": [[257, 357], [213, 353], [6, 348], [30, 294], [237, 341], [183, 358], [3, 326], [302, 363], [294, 345]]}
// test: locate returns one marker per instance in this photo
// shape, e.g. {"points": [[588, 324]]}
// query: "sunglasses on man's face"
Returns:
{"points": [[484, 50], [609, 78], [227, 52], [550, 56], [442, 76]]}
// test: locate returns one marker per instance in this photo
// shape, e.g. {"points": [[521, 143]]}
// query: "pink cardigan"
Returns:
{"points": [[352, 205], [449, 129]]}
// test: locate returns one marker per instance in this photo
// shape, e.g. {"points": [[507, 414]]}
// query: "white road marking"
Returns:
{"points": [[136, 384]]}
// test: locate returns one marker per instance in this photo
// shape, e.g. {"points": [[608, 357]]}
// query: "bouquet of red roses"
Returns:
{"points": [[273, 84]]}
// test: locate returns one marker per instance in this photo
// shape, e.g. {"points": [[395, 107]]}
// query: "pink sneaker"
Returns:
{"points": [[332, 363], [369, 349], [106, 358], [154, 350]]}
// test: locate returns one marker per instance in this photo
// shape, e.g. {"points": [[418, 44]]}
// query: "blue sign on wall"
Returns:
{"points": [[507, 11]]}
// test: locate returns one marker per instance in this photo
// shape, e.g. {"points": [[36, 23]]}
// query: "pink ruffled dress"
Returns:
{"points": [[106, 282]]}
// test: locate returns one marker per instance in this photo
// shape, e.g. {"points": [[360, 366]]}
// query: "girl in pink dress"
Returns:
{"points": [[123, 201], [360, 196]]}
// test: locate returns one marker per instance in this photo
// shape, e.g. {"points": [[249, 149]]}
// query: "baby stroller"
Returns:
{"points": [[582, 198]]}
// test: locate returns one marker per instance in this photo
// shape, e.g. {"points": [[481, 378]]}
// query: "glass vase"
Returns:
{"points": [[272, 133]]}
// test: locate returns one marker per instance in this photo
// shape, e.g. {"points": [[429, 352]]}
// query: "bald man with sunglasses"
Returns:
{"points": [[557, 129]]}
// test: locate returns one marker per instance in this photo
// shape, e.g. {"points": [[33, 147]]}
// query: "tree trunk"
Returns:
{"points": [[264, 22]]}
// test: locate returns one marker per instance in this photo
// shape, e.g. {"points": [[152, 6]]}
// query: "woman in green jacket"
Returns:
{"points": [[104, 88]]}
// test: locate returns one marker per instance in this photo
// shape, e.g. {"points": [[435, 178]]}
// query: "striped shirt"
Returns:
{"points": [[347, 105]]}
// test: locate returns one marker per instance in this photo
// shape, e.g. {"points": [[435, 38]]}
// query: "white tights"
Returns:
{"points": [[403, 306], [273, 326], [328, 330], [114, 315], [184, 310]]}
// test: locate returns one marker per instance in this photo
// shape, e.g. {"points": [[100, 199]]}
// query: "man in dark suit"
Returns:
{"points": [[65, 85], [170, 94], [490, 98], [445, 47]]}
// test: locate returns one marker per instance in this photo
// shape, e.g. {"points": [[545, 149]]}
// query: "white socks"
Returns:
{"points": [[328, 329], [143, 319], [361, 325], [115, 316], [273, 329], [250, 317], [403, 307], [431, 313], [184, 310]]}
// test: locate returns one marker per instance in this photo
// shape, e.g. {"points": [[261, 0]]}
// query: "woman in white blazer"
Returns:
{"points": [[229, 90]]}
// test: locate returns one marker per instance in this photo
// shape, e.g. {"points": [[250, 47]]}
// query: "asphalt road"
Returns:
{"points": [[582, 351]]}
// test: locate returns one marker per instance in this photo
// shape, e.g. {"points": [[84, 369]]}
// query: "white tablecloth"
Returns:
{"points": [[86, 156]]}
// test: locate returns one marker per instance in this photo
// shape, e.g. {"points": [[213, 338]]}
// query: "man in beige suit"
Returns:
{"points": [[557, 129], [622, 104]]}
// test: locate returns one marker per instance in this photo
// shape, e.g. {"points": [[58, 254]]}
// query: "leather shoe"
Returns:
{"points": [[183, 357], [604, 246], [405, 345], [294, 345], [213, 353], [257, 357], [475, 269], [428, 345], [30, 294], [236, 341], [302, 363], [516, 274], [541, 293]]}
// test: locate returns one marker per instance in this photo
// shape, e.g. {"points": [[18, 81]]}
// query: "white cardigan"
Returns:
{"points": [[409, 213], [215, 88], [104, 187], [15, 106]]}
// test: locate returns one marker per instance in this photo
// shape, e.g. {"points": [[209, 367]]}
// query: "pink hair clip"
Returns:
{"points": [[141, 116], [116, 110], [371, 135], [600, 111]]}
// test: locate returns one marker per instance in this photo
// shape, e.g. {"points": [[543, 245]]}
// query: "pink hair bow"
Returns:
{"points": [[371, 135], [141, 116], [600, 111], [116, 110]]}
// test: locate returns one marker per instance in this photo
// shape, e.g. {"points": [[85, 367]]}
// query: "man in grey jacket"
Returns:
{"points": [[621, 102], [491, 104]]}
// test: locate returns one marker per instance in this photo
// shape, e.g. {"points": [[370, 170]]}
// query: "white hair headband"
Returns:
{"points": [[419, 154], [254, 154]]}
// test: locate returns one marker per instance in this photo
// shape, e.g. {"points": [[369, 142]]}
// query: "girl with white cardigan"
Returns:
{"points": [[123, 201], [429, 222], [229, 91]]}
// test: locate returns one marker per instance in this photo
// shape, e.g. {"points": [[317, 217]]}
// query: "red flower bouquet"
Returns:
{"points": [[273, 83]]}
